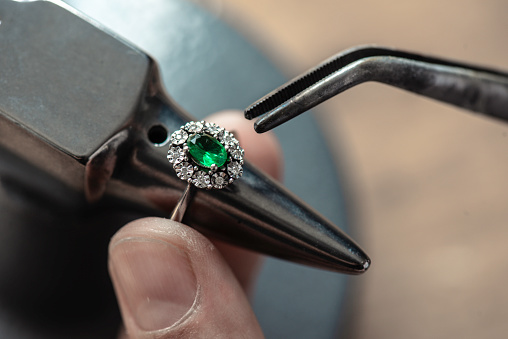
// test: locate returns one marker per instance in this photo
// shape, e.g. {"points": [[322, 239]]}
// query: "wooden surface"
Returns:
{"points": [[430, 181]]}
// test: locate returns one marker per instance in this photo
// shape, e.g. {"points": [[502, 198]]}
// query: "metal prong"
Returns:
{"points": [[474, 88], [180, 208]]}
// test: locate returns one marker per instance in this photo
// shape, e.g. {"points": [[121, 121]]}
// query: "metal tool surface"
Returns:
{"points": [[474, 88], [82, 105]]}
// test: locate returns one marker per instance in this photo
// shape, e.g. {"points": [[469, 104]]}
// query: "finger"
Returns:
{"points": [[171, 282], [262, 150]]}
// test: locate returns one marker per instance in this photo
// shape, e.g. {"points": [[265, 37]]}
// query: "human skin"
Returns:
{"points": [[172, 282]]}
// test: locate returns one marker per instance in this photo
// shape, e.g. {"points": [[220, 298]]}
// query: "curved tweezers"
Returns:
{"points": [[474, 88]]}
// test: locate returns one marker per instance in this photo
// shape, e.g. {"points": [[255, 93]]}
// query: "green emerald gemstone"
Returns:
{"points": [[205, 150]]}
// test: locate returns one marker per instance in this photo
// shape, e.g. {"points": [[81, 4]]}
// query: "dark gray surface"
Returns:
{"points": [[207, 67], [24, 89]]}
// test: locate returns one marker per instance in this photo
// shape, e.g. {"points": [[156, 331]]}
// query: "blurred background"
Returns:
{"points": [[429, 180]]}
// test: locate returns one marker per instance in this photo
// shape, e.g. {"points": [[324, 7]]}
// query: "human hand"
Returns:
{"points": [[172, 282]]}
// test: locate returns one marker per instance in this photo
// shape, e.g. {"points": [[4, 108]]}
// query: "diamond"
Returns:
{"points": [[176, 155], [228, 139], [184, 170], [206, 151], [194, 126], [201, 179], [179, 137], [213, 129], [237, 153], [219, 180], [235, 170]]}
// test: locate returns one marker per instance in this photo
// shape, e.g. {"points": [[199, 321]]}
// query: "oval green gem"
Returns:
{"points": [[205, 150]]}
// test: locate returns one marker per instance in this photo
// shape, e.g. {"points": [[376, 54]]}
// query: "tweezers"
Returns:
{"points": [[473, 88]]}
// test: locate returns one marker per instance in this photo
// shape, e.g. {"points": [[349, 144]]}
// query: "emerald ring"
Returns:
{"points": [[206, 155]]}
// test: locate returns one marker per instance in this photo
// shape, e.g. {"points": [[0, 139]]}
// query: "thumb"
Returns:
{"points": [[171, 282]]}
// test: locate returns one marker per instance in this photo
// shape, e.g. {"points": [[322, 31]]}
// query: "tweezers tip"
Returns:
{"points": [[248, 113], [258, 108], [261, 127]]}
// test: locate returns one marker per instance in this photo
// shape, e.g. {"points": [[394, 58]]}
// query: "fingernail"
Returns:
{"points": [[154, 281]]}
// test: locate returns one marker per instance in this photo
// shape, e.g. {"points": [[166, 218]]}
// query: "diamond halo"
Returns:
{"points": [[186, 156]]}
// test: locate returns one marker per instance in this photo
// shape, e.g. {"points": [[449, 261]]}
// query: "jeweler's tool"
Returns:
{"points": [[78, 106], [474, 88]]}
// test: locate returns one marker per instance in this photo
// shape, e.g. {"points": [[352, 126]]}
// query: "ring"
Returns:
{"points": [[206, 156]]}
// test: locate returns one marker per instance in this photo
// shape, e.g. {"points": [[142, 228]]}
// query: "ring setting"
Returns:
{"points": [[206, 155]]}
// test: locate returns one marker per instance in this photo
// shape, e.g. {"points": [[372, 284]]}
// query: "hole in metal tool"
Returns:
{"points": [[158, 135]]}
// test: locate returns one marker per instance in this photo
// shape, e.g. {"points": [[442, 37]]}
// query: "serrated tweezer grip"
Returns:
{"points": [[474, 88]]}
